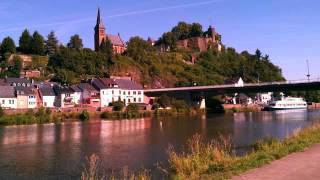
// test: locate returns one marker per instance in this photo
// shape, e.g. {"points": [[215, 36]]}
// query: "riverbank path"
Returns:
{"points": [[297, 166]]}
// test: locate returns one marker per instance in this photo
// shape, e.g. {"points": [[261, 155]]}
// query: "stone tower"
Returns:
{"points": [[99, 32]]}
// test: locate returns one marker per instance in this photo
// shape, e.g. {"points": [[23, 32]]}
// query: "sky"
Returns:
{"points": [[286, 30]]}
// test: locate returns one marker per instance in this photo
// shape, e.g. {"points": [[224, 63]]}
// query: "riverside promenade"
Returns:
{"points": [[296, 166]]}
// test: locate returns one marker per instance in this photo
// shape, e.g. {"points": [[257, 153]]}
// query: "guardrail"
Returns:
{"points": [[234, 85]]}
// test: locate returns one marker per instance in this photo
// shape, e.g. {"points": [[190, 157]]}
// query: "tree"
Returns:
{"points": [[106, 48], [75, 42], [8, 46], [37, 44], [196, 30], [51, 44], [139, 48], [168, 40], [25, 42], [181, 31], [15, 69]]}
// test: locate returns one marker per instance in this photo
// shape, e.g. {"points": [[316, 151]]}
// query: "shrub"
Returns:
{"points": [[118, 106], [84, 115], [1, 112]]}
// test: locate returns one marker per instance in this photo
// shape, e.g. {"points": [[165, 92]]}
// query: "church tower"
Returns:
{"points": [[99, 32]]}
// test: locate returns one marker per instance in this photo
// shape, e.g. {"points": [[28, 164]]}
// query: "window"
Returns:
{"points": [[67, 95], [45, 104], [139, 100], [112, 91], [134, 99], [124, 101], [124, 93], [11, 101], [31, 97], [112, 99], [134, 92], [129, 92], [119, 91], [3, 101], [129, 100], [139, 92]]}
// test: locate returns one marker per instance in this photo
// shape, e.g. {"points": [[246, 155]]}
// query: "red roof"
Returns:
{"points": [[115, 40]]}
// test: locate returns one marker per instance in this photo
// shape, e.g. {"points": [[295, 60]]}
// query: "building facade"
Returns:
{"points": [[100, 37], [8, 99]]}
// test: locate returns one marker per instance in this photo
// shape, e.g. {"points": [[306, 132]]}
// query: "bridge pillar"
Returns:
{"points": [[202, 103]]}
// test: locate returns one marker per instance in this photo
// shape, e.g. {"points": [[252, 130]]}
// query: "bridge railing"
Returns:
{"points": [[234, 85]]}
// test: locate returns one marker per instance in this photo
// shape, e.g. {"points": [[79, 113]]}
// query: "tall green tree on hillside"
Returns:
{"points": [[8, 46], [107, 50], [75, 42], [138, 48], [25, 42], [37, 44], [196, 30], [51, 44], [168, 40], [181, 31]]}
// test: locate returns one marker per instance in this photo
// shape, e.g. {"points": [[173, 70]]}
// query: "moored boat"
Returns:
{"points": [[287, 103]]}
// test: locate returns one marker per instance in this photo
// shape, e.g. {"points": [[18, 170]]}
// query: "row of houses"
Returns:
{"points": [[23, 93]]}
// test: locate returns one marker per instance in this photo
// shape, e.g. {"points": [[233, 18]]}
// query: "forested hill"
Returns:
{"points": [[145, 63]]}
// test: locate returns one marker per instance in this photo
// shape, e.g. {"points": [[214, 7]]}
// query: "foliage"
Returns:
{"points": [[25, 41], [15, 68], [84, 115], [7, 46], [75, 42], [37, 44], [51, 44], [1, 112], [215, 160], [133, 108], [118, 106]]}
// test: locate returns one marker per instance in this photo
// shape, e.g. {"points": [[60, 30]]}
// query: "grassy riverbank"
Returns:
{"points": [[215, 160], [43, 116]]}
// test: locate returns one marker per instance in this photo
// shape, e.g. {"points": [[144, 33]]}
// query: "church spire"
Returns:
{"points": [[99, 19]]}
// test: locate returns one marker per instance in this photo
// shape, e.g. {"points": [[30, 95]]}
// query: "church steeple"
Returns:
{"points": [[99, 19], [99, 32]]}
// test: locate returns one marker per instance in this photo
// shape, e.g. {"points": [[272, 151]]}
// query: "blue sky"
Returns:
{"points": [[286, 30]]}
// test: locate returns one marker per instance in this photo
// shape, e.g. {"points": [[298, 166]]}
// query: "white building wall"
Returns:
{"points": [[32, 101], [128, 96], [76, 97], [8, 103], [48, 101]]}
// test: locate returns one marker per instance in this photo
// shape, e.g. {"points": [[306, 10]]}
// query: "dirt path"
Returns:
{"points": [[298, 166]]}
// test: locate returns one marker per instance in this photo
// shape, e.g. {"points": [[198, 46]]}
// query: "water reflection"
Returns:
{"points": [[58, 151]]}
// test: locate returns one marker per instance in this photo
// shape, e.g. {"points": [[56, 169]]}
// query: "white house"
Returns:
{"points": [[264, 98], [240, 83], [8, 99], [118, 89], [48, 96]]}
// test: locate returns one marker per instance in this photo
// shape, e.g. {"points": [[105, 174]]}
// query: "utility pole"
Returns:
{"points": [[308, 75]]}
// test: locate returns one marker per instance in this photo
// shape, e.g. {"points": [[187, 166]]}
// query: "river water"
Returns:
{"points": [[59, 151]]}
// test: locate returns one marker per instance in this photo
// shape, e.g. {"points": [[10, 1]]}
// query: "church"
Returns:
{"points": [[100, 36]]}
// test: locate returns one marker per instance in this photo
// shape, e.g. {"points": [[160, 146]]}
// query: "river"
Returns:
{"points": [[59, 151]]}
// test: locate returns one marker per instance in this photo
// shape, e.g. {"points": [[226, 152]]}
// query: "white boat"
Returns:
{"points": [[288, 103]]}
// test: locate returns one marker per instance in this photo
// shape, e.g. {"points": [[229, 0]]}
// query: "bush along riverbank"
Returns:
{"points": [[41, 116], [216, 160]]}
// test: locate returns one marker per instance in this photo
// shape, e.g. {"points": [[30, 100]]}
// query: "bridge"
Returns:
{"points": [[205, 91]]}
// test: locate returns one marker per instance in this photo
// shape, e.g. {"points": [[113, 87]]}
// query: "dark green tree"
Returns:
{"points": [[25, 42], [196, 30], [138, 48], [37, 44], [8, 46], [51, 44], [168, 40], [181, 31], [75, 42]]}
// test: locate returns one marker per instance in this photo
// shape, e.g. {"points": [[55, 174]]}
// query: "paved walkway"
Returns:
{"points": [[298, 166]]}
